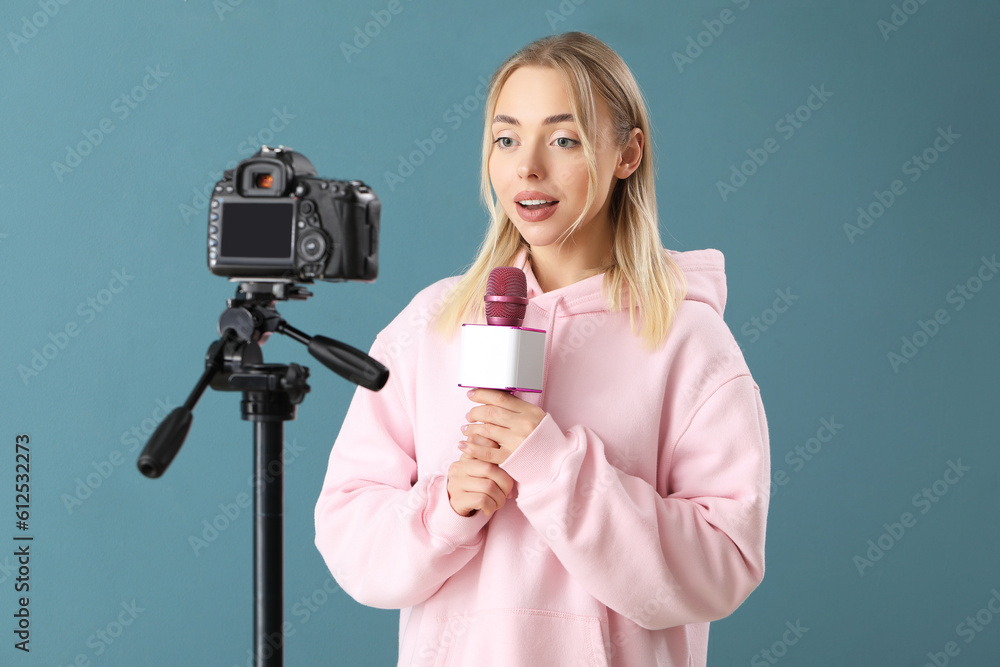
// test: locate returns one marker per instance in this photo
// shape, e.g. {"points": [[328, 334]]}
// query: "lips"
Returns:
{"points": [[533, 206]]}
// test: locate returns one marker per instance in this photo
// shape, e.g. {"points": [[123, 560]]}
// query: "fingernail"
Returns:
{"points": [[472, 392], [466, 426], [461, 445]]}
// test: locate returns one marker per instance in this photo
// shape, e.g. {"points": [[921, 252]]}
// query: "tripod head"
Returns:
{"points": [[235, 362]]}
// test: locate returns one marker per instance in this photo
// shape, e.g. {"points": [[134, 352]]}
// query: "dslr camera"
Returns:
{"points": [[272, 219]]}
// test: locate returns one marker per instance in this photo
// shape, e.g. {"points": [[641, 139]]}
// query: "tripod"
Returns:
{"points": [[270, 394]]}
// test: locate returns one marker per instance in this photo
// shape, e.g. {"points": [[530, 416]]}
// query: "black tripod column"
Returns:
{"points": [[268, 543], [269, 409]]}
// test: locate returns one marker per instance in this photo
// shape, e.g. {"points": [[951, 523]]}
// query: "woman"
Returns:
{"points": [[608, 519]]}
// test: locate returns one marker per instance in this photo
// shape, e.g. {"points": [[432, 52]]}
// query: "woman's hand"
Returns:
{"points": [[498, 426], [477, 485]]}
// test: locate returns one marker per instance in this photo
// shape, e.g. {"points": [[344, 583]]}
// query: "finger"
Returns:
{"points": [[521, 417], [490, 414], [504, 399], [458, 498], [484, 494], [478, 440], [491, 396], [471, 468], [463, 504], [472, 437], [469, 494], [487, 431], [493, 472], [504, 481], [483, 453], [488, 504]]}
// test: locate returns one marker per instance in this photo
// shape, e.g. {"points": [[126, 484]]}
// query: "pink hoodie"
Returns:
{"points": [[640, 500]]}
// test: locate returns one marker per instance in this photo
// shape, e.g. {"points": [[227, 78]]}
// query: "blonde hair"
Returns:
{"points": [[642, 277]]}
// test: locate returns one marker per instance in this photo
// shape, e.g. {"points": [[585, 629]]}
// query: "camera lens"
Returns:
{"points": [[264, 180]]}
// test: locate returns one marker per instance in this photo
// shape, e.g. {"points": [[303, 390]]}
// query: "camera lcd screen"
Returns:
{"points": [[261, 229]]}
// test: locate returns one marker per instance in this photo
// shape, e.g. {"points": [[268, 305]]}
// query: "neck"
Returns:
{"points": [[556, 267]]}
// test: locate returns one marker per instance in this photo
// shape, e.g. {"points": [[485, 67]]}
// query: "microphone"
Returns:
{"points": [[506, 297], [502, 354]]}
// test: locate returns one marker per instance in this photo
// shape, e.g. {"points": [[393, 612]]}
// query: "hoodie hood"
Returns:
{"points": [[704, 271]]}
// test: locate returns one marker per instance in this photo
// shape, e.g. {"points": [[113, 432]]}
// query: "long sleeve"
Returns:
{"points": [[389, 539], [690, 555]]}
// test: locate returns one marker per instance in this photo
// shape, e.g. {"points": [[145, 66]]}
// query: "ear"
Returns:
{"points": [[631, 154]]}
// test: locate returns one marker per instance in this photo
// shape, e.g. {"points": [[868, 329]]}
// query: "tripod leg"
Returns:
{"points": [[268, 543]]}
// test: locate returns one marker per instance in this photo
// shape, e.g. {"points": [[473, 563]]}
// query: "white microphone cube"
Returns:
{"points": [[498, 357]]}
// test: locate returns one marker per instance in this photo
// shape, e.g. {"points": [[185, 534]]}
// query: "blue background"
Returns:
{"points": [[229, 75]]}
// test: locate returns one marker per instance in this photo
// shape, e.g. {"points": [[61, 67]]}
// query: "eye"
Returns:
{"points": [[504, 142], [566, 142]]}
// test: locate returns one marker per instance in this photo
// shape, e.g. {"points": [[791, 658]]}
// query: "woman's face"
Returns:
{"points": [[537, 166]]}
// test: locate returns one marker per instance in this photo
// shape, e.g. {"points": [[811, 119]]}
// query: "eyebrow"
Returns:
{"points": [[558, 118]]}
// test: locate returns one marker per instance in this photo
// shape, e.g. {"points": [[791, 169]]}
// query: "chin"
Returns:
{"points": [[543, 240]]}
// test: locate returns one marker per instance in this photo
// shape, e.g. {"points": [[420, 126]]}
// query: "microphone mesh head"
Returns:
{"points": [[506, 281]]}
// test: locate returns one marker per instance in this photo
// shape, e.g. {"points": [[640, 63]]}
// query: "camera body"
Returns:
{"points": [[272, 219]]}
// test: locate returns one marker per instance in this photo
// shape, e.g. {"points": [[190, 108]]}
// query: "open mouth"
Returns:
{"points": [[536, 204], [536, 210]]}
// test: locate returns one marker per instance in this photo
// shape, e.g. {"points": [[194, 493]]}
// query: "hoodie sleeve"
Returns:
{"points": [[373, 512], [690, 556]]}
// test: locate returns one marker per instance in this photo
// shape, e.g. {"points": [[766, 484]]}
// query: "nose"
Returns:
{"points": [[531, 163]]}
